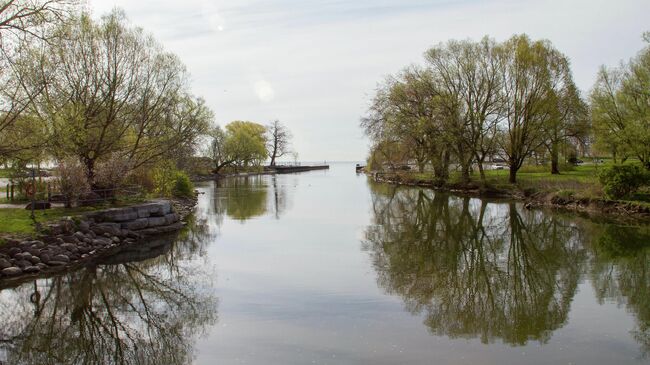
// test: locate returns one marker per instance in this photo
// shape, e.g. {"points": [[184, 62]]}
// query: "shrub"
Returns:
{"points": [[169, 181], [72, 180], [183, 187], [620, 181], [112, 172]]}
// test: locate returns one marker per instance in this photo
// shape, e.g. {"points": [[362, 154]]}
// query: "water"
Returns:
{"points": [[326, 268]]}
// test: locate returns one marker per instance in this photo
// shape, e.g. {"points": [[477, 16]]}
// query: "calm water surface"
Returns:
{"points": [[326, 268]]}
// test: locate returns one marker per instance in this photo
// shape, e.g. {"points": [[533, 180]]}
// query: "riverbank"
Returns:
{"points": [[79, 240], [558, 198]]}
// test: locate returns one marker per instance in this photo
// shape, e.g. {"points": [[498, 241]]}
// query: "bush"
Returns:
{"points": [[169, 181], [72, 180], [620, 181], [112, 172], [183, 187]]}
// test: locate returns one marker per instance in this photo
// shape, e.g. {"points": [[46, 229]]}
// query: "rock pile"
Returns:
{"points": [[70, 242]]}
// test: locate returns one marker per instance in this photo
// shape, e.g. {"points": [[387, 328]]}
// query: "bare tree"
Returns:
{"points": [[278, 141]]}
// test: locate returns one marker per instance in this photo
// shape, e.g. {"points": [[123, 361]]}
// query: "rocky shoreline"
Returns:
{"points": [[73, 242], [616, 210]]}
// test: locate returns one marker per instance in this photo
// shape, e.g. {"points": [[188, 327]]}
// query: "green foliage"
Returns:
{"points": [[242, 145], [183, 187], [620, 181], [620, 108], [168, 181]]}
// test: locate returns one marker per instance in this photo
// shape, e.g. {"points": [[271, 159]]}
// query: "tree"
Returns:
{"points": [[112, 89], [241, 144], [404, 122], [24, 19], [23, 23], [620, 107], [246, 142], [532, 74], [569, 116], [468, 83], [217, 149], [278, 141]]}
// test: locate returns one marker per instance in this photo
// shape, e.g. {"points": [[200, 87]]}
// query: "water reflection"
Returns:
{"points": [[143, 306], [241, 198], [475, 270], [244, 198], [621, 271]]}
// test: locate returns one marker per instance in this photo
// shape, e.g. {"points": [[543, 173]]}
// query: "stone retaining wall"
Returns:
{"points": [[70, 242]]}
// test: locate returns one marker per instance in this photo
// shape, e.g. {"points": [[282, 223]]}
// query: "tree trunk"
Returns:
{"points": [[90, 172], [481, 171], [513, 174], [465, 177], [555, 159]]}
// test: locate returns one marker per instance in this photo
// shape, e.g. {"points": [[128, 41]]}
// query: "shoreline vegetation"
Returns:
{"points": [[576, 191], [506, 118]]}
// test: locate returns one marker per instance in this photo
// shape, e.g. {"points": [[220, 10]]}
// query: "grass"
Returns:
{"points": [[18, 221], [573, 181]]}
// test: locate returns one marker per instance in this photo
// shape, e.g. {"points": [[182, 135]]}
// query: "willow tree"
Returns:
{"points": [[404, 121], [620, 106], [112, 90], [533, 73], [23, 23], [468, 81]]}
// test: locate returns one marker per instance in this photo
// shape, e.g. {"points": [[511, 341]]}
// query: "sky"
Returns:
{"points": [[315, 64]]}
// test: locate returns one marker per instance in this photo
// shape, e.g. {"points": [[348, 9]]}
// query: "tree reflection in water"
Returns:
{"points": [[621, 271], [475, 269], [241, 198], [146, 306]]}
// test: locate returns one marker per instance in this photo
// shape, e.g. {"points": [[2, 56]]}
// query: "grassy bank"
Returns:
{"points": [[577, 187], [18, 221]]}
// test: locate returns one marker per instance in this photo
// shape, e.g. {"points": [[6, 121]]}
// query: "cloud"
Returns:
{"points": [[264, 90]]}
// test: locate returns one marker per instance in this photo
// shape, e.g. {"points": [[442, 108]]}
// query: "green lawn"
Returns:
{"points": [[18, 221], [580, 181]]}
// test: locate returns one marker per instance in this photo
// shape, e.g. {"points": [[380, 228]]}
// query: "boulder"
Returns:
{"points": [[171, 218], [31, 269], [120, 215], [60, 257], [157, 221], [137, 224], [84, 226], [113, 229], [4, 264], [12, 271]]}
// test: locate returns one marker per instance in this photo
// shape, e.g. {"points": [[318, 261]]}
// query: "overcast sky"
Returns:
{"points": [[314, 64]]}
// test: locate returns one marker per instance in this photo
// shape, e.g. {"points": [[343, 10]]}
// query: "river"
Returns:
{"points": [[325, 267]]}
